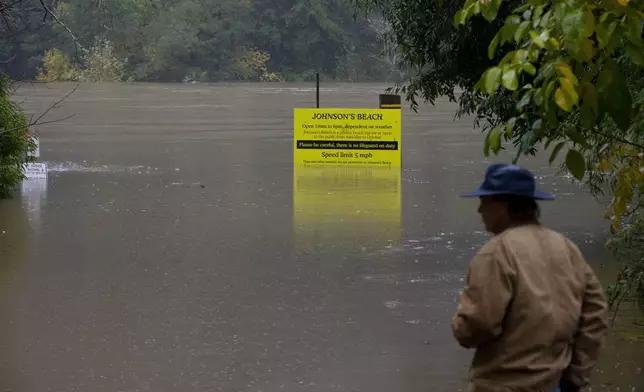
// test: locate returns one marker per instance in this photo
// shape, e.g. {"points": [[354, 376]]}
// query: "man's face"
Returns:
{"points": [[495, 214]]}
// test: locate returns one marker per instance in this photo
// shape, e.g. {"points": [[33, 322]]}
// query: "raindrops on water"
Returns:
{"points": [[86, 167]]}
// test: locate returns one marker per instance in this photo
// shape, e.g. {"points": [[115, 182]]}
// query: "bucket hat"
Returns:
{"points": [[505, 179]]}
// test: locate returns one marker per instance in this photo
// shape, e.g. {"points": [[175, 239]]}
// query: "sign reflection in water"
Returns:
{"points": [[34, 194], [346, 206]]}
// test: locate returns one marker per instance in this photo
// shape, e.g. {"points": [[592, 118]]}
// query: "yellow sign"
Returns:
{"points": [[347, 137], [346, 206]]}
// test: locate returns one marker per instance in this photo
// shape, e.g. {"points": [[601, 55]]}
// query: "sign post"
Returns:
{"points": [[317, 90], [387, 101], [36, 152], [35, 170]]}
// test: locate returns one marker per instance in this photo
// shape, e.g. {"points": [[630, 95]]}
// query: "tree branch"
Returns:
{"points": [[617, 139], [6, 7], [61, 24], [55, 105], [37, 122], [8, 61]]}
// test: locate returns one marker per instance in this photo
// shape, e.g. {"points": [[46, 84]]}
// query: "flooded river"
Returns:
{"points": [[174, 248]]}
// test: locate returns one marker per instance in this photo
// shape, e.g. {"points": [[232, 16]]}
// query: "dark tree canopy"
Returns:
{"points": [[443, 60], [208, 40]]}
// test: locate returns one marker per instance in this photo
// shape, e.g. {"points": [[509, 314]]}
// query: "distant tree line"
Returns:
{"points": [[191, 40]]}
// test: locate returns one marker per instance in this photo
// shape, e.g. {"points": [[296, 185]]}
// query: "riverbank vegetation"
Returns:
{"points": [[14, 141], [14, 127], [193, 41], [566, 77]]}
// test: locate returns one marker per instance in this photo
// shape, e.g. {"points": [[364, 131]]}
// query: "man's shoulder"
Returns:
{"points": [[525, 235], [528, 231]]}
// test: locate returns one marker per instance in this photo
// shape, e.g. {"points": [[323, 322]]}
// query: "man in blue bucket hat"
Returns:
{"points": [[532, 308]]}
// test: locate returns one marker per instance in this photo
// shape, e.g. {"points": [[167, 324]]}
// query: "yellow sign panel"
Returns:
{"points": [[339, 206], [347, 137]]}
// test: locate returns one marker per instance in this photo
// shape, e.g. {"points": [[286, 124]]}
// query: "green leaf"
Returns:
{"points": [[634, 53], [605, 31], [510, 28], [589, 23], [589, 110], [459, 17], [577, 137], [562, 100], [539, 39], [538, 16], [522, 8], [529, 68], [538, 11], [549, 87], [486, 145], [633, 27], [590, 97], [513, 19], [545, 20], [561, 10], [565, 71], [480, 85], [533, 56], [604, 80], [539, 97], [491, 50], [545, 72], [507, 58], [586, 50], [520, 56], [552, 44], [566, 96], [551, 116], [578, 24], [510, 80], [587, 118], [495, 139], [522, 31], [614, 96], [576, 164], [492, 80], [490, 10], [509, 127], [572, 26], [555, 152], [476, 8], [525, 100]]}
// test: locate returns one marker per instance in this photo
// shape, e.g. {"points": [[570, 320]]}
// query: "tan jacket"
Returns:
{"points": [[533, 309]]}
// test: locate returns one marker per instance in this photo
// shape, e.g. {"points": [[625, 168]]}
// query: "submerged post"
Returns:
{"points": [[388, 101], [317, 90]]}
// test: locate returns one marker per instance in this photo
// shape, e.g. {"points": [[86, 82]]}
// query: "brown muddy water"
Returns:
{"points": [[174, 248]]}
